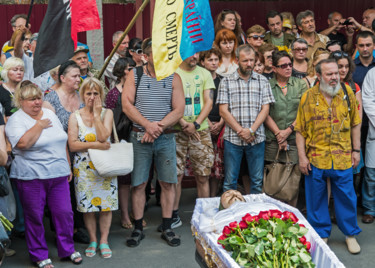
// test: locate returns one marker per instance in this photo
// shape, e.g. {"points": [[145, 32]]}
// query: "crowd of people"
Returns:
{"points": [[286, 94]]}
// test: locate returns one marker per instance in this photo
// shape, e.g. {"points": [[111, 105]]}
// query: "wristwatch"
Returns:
{"points": [[196, 125], [251, 132], [357, 151]]}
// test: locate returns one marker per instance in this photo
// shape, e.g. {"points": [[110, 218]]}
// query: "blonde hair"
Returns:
{"points": [[25, 90], [91, 83], [9, 64], [255, 29]]}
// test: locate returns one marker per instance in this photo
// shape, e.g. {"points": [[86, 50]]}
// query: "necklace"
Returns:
{"points": [[283, 86]]}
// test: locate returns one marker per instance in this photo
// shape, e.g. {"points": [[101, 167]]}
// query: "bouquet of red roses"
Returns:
{"points": [[270, 239]]}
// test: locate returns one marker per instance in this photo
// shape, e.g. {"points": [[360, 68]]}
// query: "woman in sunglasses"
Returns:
{"points": [[227, 19], [135, 51], [346, 69], [287, 91], [226, 42], [255, 36]]}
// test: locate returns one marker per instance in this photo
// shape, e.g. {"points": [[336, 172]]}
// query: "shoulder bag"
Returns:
{"points": [[116, 161], [281, 180]]}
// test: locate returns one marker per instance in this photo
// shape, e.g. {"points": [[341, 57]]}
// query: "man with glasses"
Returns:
{"points": [[120, 53], [328, 142], [299, 50], [16, 22], [255, 36], [335, 23], [244, 98], [276, 36], [306, 23]]}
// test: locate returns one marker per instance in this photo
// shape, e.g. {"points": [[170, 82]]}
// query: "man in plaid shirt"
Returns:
{"points": [[244, 98]]}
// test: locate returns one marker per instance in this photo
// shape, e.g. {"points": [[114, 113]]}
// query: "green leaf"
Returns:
{"points": [[235, 240], [259, 248], [271, 238], [293, 230], [261, 232], [242, 261], [251, 250], [302, 231], [295, 258], [304, 257], [251, 239], [278, 245]]}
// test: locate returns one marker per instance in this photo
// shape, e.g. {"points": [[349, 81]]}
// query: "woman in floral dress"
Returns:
{"points": [[90, 128]]}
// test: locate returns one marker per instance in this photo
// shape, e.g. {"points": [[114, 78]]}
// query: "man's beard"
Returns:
{"points": [[332, 91], [243, 71]]}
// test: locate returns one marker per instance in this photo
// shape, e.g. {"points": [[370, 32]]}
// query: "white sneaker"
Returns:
{"points": [[176, 222]]}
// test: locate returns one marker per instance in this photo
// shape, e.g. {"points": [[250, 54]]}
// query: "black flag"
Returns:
{"points": [[55, 44]]}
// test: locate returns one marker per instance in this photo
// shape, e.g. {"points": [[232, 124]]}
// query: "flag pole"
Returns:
{"points": [[29, 14], [130, 25]]}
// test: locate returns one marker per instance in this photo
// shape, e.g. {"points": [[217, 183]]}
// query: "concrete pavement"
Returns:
{"points": [[154, 252]]}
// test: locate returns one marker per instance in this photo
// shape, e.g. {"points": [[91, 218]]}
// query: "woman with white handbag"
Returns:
{"points": [[90, 128]]}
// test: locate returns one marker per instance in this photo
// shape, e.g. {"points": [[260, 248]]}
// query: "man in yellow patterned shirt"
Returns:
{"points": [[328, 142]]}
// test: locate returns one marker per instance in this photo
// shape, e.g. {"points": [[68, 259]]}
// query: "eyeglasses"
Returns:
{"points": [[138, 51], [340, 54], [284, 66], [255, 37], [300, 49]]}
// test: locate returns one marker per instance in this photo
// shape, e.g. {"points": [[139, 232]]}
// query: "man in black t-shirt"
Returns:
{"points": [[335, 23]]}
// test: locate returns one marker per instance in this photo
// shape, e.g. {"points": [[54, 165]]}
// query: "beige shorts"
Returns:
{"points": [[201, 153]]}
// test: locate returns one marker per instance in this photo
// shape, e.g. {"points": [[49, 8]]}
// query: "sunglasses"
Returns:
{"points": [[300, 49], [255, 37], [340, 54], [138, 51], [284, 66]]}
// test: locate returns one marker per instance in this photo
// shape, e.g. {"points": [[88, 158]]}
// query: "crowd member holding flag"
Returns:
{"points": [[153, 106]]}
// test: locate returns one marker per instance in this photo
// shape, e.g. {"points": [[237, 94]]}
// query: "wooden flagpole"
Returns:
{"points": [[130, 25]]}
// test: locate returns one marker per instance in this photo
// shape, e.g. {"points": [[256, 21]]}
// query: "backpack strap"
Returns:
{"points": [[346, 96]]}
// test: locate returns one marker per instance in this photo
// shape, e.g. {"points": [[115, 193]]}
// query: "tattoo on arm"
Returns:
{"points": [[211, 94]]}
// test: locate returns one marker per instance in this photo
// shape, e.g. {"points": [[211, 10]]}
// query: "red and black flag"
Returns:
{"points": [[57, 38]]}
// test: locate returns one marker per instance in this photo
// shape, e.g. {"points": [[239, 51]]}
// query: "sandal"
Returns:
{"points": [[76, 255], [44, 263], [105, 254], [172, 239], [135, 238], [127, 225], [91, 252]]}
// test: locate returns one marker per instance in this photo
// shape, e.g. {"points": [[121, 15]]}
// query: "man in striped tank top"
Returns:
{"points": [[153, 106]]}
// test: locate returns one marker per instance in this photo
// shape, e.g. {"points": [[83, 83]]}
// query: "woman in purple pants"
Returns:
{"points": [[42, 173]]}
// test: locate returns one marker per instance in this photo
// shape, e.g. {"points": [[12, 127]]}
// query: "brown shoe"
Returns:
{"points": [[367, 219], [353, 245]]}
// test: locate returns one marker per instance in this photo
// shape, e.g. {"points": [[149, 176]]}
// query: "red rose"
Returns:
{"points": [[289, 215], [302, 225], [303, 240], [222, 237], [256, 218], [308, 245], [227, 231], [233, 225], [264, 215], [275, 213], [248, 218], [243, 225]]}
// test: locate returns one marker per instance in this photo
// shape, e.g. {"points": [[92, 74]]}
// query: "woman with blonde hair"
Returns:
{"points": [[226, 42], [255, 36], [42, 173], [12, 73], [90, 128]]}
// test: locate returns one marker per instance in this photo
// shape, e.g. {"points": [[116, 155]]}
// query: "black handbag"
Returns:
{"points": [[122, 121]]}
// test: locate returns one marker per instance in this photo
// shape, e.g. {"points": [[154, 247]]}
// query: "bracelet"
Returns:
{"points": [[277, 134], [357, 151], [291, 127]]}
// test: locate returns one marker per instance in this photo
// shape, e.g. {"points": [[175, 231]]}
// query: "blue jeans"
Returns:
{"points": [[162, 150], [232, 162], [345, 201], [368, 191]]}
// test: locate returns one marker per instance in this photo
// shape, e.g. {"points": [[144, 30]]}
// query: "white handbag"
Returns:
{"points": [[116, 161]]}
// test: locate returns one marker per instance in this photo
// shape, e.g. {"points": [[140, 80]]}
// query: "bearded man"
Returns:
{"points": [[244, 98], [328, 141]]}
